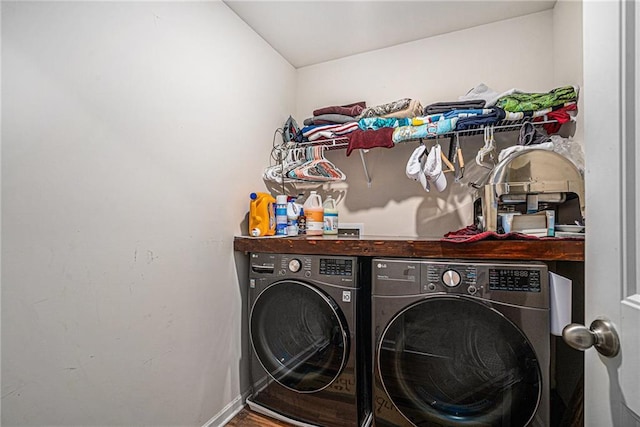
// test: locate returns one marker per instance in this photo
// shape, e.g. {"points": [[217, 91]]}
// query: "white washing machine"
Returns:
{"points": [[460, 343], [310, 340]]}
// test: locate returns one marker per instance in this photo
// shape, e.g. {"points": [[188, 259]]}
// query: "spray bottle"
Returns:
{"points": [[293, 211]]}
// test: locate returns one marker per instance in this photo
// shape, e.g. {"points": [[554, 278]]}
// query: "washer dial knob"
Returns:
{"points": [[451, 278], [295, 265]]}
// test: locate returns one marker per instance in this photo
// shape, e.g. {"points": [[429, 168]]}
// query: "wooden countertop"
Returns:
{"points": [[539, 250]]}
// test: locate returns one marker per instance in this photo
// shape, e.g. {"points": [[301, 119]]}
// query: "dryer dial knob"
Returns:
{"points": [[451, 278], [295, 265]]}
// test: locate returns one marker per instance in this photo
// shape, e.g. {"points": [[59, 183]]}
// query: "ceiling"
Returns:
{"points": [[311, 32]]}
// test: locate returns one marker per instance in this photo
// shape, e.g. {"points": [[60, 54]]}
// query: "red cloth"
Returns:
{"points": [[560, 115], [471, 234], [347, 110], [365, 139]]}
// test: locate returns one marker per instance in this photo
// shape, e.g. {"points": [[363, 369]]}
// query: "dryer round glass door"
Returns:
{"points": [[299, 335], [454, 360]]}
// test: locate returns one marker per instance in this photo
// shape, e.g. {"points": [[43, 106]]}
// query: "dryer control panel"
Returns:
{"points": [[514, 279], [449, 276], [509, 282]]}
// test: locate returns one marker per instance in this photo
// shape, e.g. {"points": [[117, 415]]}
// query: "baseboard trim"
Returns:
{"points": [[228, 412]]}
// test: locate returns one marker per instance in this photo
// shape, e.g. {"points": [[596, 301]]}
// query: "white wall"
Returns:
{"points": [[568, 66], [567, 52], [127, 156], [132, 134], [503, 55]]}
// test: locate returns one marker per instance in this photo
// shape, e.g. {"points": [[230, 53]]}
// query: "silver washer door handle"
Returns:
{"points": [[601, 334]]}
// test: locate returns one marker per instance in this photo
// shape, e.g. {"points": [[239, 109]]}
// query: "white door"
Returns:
{"points": [[611, 127]]}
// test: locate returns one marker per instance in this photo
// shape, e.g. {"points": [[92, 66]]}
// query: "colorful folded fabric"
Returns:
{"points": [[522, 101], [382, 122], [417, 121], [313, 133], [428, 130]]}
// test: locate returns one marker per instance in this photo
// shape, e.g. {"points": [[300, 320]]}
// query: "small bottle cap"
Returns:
{"points": [[281, 199]]}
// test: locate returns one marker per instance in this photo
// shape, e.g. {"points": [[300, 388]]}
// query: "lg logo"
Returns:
{"points": [[380, 265]]}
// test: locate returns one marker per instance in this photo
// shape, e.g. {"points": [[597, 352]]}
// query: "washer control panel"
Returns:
{"points": [[338, 270]]}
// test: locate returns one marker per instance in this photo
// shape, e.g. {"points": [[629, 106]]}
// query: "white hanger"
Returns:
{"points": [[488, 148]]}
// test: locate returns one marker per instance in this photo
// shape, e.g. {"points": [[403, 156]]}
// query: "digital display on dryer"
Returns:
{"points": [[506, 279]]}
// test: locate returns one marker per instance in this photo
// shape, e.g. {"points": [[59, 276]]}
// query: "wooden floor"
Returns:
{"points": [[247, 418]]}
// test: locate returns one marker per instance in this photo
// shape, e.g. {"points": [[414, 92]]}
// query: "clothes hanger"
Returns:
{"points": [[318, 168], [274, 172], [457, 156], [488, 149], [299, 157], [445, 159]]}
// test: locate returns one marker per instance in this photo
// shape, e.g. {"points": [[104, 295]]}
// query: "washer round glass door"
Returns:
{"points": [[299, 335], [456, 361]]}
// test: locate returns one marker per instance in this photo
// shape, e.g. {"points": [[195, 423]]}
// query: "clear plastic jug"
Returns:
{"points": [[330, 216], [315, 214]]}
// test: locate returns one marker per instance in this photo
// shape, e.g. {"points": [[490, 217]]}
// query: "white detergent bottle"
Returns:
{"points": [[330, 216], [315, 214]]}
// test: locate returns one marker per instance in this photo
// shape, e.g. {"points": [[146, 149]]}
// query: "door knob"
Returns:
{"points": [[601, 334]]}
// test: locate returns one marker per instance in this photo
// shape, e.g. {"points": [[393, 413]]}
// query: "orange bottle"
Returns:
{"points": [[262, 217]]}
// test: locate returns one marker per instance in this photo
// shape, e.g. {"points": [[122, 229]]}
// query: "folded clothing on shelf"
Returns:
{"points": [[347, 110], [443, 107], [523, 101], [405, 107]]}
